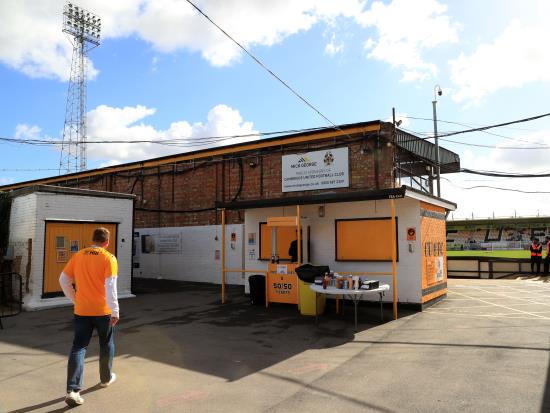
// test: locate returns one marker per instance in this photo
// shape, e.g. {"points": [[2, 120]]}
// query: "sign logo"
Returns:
{"points": [[329, 158], [304, 162]]}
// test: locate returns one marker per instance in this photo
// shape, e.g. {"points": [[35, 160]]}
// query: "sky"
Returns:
{"points": [[164, 72]]}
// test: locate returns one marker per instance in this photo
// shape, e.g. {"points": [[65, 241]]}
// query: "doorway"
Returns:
{"points": [[63, 239]]}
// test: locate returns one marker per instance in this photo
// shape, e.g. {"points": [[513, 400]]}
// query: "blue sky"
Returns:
{"points": [[164, 72]]}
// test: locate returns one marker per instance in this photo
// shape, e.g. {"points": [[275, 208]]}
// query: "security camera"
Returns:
{"points": [[439, 92], [252, 164]]}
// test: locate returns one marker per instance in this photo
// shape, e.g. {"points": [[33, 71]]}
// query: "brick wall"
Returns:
{"points": [[193, 186]]}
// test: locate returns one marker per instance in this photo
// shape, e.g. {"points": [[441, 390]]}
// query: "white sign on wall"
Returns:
{"points": [[316, 170]]}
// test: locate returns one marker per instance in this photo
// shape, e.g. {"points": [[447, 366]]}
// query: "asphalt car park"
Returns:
{"points": [[484, 348]]}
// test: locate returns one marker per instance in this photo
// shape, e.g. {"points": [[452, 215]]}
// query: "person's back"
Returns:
{"points": [[90, 267], [94, 272]]}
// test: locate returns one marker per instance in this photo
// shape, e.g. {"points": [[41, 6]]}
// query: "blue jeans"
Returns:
{"points": [[83, 329]]}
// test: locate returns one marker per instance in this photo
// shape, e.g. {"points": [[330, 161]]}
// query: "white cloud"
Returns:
{"points": [[518, 56], [24, 131], [333, 47], [127, 125], [406, 29], [6, 180], [483, 202], [31, 39]]}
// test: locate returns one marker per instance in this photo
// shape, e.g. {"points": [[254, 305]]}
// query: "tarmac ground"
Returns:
{"points": [[485, 348]]}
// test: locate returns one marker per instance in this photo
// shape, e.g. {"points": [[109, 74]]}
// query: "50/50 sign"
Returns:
{"points": [[282, 288]]}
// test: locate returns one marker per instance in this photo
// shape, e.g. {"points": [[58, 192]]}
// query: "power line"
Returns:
{"points": [[244, 49], [464, 124], [27, 169], [174, 141], [497, 174], [495, 188], [479, 145], [484, 128], [471, 125]]}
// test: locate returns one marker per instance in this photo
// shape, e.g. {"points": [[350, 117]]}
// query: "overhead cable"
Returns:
{"points": [[483, 128], [495, 188], [259, 62], [504, 174]]}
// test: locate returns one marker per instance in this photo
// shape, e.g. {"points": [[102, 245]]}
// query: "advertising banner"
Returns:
{"points": [[315, 170]]}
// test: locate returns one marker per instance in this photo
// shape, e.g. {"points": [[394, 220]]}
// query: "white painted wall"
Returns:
{"points": [[28, 220], [322, 240], [197, 259], [22, 228]]}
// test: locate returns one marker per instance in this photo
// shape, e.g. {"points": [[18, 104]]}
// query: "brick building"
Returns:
{"points": [[178, 197]]}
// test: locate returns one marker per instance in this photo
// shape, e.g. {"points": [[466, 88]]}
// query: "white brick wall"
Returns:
{"points": [[322, 240], [28, 220], [196, 261], [22, 228]]}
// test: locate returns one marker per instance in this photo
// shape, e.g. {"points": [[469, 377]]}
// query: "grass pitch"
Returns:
{"points": [[492, 254]]}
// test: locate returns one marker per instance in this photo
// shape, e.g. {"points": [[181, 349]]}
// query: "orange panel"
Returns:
{"points": [[285, 235], [282, 222], [70, 237], [434, 251], [431, 207], [364, 240], [436, 294], [282, 288], [57, 252]]}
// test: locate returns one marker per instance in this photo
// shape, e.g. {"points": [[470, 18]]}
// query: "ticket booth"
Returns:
{"points": [[281, 279]]}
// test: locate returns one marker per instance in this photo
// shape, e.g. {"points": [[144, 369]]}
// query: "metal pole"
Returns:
{"points": [[299, 240], [223, 255], [393, 258], [437, 166]]}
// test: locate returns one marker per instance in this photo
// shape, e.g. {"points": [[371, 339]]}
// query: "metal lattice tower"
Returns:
{"points": [[85, 29]]}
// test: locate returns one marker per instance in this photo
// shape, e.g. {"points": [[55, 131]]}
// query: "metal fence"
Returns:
{"points": [[11, 295]]}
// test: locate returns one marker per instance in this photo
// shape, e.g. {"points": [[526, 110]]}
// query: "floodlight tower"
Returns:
{"points": [[84, 29]]}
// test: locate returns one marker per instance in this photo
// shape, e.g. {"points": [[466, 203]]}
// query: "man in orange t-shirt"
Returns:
{"points": [[94, 272]]}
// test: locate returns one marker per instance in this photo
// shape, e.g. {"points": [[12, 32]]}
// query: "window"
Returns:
{"points": [[60, 242], [364, 239], [285, 235]]}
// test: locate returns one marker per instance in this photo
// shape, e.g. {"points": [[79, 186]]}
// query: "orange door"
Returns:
{"points": [[63, 239]]}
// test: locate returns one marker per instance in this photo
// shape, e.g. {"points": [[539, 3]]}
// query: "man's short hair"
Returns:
{"points": [[101, 235]]}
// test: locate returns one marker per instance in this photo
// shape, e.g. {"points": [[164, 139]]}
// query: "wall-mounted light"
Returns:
{"points": [[321, 211]]}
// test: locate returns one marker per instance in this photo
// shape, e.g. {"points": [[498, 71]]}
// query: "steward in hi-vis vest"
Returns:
{"points": [[536, 255], [547, 258]]}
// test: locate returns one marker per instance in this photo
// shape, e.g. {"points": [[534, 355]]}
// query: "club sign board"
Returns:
{"points": [[315, 170]]}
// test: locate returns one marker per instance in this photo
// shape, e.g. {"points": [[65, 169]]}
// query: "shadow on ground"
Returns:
{"points": [[184, 325]]}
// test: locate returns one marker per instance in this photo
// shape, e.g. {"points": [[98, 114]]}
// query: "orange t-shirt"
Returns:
{"points": [[89, 268]]}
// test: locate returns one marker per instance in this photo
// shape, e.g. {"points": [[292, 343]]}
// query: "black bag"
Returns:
{"points": [[257, 289], [308, 272]]}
